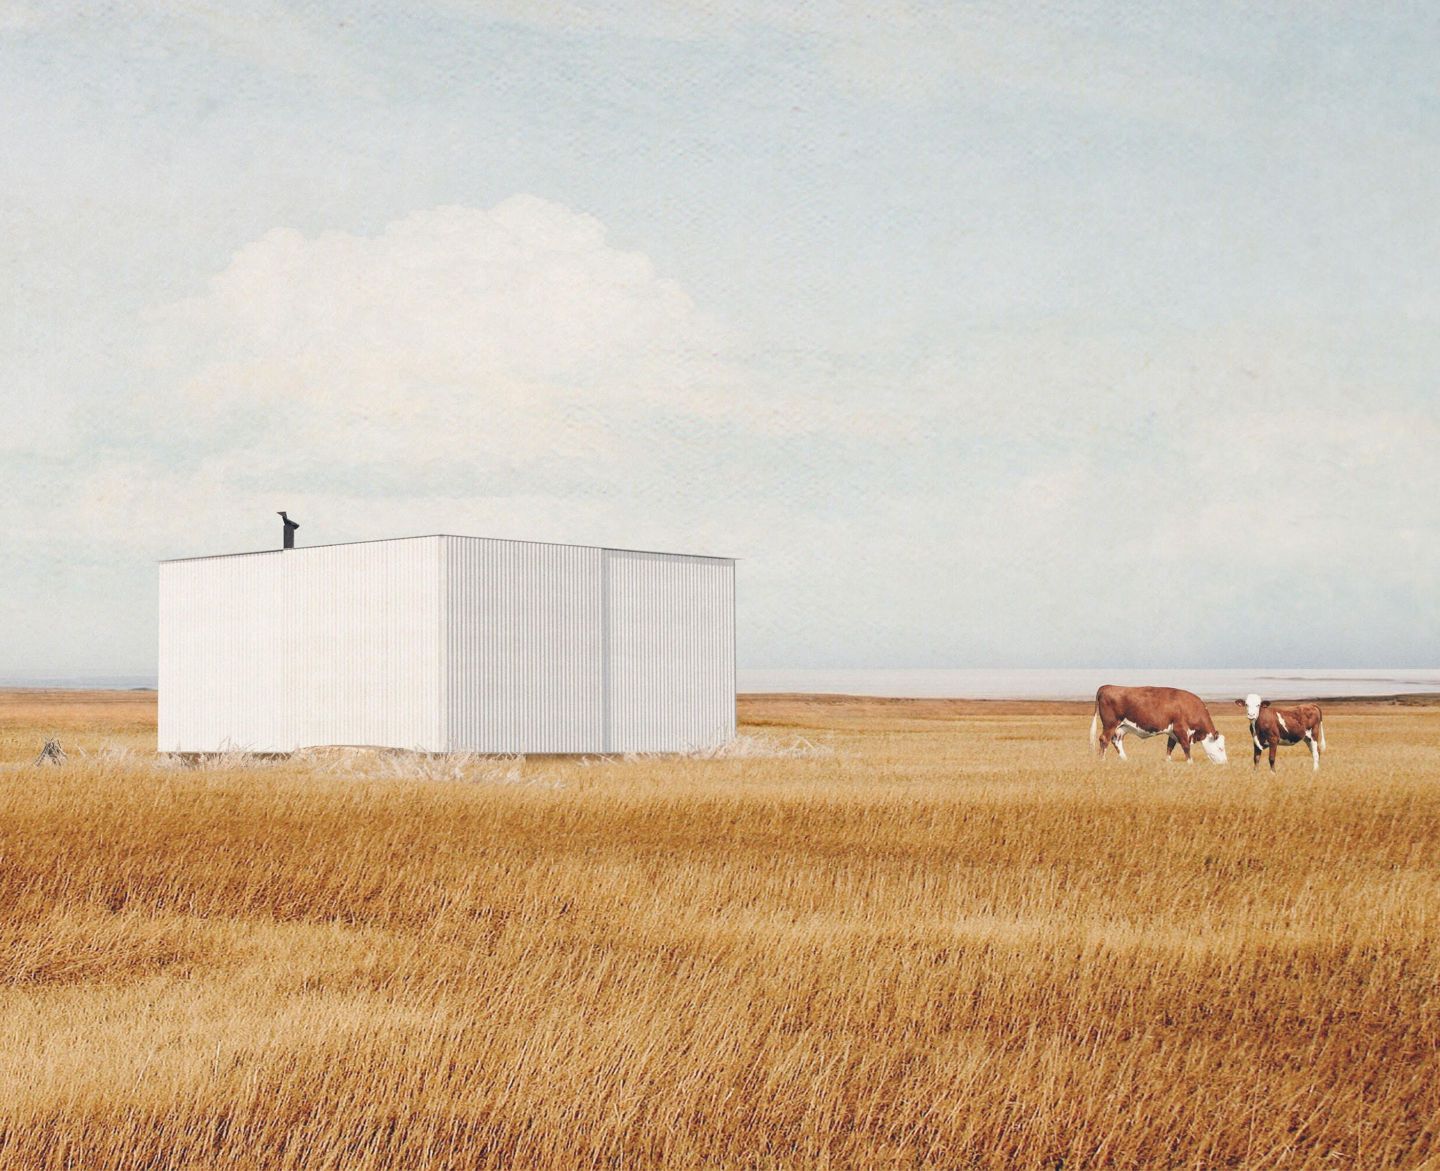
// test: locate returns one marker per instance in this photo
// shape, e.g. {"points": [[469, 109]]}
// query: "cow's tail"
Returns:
{"points": [[1095, 727], [1322, 735]]}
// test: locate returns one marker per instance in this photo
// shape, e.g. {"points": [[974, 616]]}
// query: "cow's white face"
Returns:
{"points": [[1252, 705], [1215, 748]]}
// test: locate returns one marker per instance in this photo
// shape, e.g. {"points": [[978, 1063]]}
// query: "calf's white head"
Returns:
{"points": [[1252, 704], [1215, 748]]}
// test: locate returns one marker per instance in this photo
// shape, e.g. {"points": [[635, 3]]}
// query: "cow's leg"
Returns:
{"points": [[1120, 741], [1274, 743], [1186, 740], [1106, 735], [1256, 742], [1314, 752], [1170, 743]]}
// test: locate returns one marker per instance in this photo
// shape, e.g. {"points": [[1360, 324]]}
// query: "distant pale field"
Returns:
{"points": [[882, 933]]}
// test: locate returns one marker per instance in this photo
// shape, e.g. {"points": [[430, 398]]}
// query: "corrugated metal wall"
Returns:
{"points": [[447, 644], [669, 651], [525, 646], [269, 652]]}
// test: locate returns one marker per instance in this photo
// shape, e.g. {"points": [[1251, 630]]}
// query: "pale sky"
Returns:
{"points": [[1101, 334]]}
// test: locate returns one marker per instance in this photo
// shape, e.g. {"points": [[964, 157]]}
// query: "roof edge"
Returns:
{"points": [[455, 536]]}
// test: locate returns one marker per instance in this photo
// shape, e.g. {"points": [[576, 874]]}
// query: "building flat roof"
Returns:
{"points": [[457, 536]]}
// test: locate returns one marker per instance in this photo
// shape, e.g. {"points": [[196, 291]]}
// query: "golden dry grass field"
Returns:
{"points": [[943, 937]]}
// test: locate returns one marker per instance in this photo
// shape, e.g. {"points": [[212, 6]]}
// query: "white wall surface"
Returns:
{"points": [[670, 651], [524, 645], [269, 652]]}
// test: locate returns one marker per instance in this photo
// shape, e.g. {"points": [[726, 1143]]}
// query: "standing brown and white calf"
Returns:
{"points": [[1272, 726], [1148, 711]]}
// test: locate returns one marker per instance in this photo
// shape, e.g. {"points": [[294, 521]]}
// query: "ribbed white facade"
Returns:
{"points": [[525, 646], [447, 644], [669, 659], [268, 652]]}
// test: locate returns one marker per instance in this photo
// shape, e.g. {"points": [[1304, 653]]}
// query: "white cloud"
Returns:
{"points": [[504, 371], [527, 287], [517, 338], [517, 332]]}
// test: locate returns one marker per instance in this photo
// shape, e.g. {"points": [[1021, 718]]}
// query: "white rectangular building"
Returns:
{"points": [[447, 644]]}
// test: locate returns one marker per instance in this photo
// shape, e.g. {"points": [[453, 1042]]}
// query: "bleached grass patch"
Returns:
{"points": [[388, 764], [346, 763], [220, 762], [365, 763], [763, 746], [738, 748], [113, 755]]}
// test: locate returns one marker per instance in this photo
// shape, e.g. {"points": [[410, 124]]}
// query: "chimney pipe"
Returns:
{"points": [[290, 527]]}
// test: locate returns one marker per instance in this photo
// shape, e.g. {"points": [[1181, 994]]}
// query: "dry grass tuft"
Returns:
{"points": [[752, 747], [869, 935]]}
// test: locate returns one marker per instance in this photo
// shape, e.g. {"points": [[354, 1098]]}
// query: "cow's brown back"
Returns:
{"points": [[1288, 724], [1154, 708]]}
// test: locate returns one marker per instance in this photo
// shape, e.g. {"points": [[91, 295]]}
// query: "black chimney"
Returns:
{"points": [[290, 527]]}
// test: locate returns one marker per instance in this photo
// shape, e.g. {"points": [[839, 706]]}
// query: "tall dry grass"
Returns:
{"points": [[942, 937]]}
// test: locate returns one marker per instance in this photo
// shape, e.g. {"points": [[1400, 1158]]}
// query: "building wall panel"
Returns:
{"points": [[270, 652], [524, 646], [669, 651]]}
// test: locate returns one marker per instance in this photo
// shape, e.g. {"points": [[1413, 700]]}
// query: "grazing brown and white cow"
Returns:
{"points": [[1272, 726], [1148, 711]]}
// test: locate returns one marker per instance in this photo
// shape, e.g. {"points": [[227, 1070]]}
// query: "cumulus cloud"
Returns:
{"points": [[527, 288], [517, 333], [506, 371], [514, 346]]}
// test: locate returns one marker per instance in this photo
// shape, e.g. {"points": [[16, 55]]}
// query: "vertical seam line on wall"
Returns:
{"points": [[734, 680], [443, 714], [161, 724], [605, 650]]}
